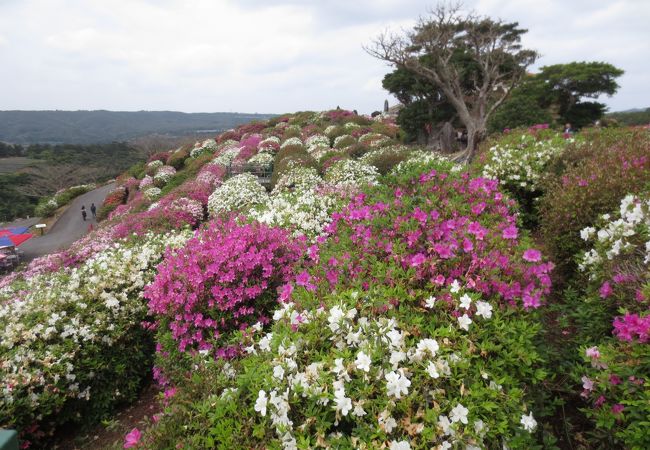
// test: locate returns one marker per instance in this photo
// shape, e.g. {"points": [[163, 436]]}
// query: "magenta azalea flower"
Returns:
{"points": [[510, 232], [532, 255], [605, 290], [132, 439]]}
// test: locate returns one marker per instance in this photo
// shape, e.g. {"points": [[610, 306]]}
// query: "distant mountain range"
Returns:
{"points": [[89, 127]]}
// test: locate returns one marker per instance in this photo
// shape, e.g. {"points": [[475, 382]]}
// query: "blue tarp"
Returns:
{"points": [[6, 242]]}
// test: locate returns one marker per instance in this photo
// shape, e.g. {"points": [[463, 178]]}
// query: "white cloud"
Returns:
{"points": [[267, 56]]}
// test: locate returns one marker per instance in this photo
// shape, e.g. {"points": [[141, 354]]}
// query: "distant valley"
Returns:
{"points": [[89, 127]]}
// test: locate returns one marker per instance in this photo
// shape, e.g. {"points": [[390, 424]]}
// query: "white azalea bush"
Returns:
{"points": [[306, 212], [63, 337], [270, 145], [227, 156], [519, 160], [298, 178], [349, 172], [237, 194], [201, 148], [262, 159], [153, 166], [331, 372], [292, 142], [317, 142], [163, 175], [420, 158], [152, 193]]}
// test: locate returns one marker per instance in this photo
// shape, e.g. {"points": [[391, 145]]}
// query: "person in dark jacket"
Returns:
{"points": [[83, 212], [93, 210]]}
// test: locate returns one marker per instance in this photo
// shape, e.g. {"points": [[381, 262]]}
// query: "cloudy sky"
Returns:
{"points": [[270, 56]]}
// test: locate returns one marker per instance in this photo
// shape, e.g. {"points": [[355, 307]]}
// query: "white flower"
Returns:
{"points": [[363, 362], [358, 410], [586, 233], [396, 358], [397, 384], [400, 445], [465, 301], [430, 302], [455, 287], [445, 424], [342, 403], [335, 317], [260, 404], [386, 422], [432, 370], [528, 422], [265, 342], [483, 309], [278, 372], [426, 346], [459, 414], [464, 321]]}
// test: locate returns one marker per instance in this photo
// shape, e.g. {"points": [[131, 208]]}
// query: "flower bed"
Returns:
{"points": [[408, 328], [236, 194], [63, 336]]}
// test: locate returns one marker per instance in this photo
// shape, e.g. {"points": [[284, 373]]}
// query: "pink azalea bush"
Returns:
{"points": [[224, 279], [616, 352], [474, 242]]}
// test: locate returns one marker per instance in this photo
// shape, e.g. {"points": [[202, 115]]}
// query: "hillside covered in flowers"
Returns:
{"points": [[312, 282]]}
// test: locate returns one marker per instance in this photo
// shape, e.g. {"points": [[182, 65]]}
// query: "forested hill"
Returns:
{"points": [[86, 127]]}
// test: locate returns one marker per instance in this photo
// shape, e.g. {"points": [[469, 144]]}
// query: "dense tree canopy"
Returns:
{"points": [[557, 93], [474, 61]]}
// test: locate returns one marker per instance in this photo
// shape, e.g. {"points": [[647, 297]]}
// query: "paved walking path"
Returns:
{"points": [[68, 228]]}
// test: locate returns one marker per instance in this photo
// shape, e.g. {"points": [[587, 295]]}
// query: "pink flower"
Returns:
{"points": [[617, 409], [418, 259], [614, 380], [605, 290], [532, 255], [592, 352], [510, 232], [132, 439]]}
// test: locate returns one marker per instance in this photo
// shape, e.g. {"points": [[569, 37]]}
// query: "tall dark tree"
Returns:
{"points": [[557, 94], [475, 61]]}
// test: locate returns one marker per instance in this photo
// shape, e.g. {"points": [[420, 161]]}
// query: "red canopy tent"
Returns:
{"points": [[14, 236]]}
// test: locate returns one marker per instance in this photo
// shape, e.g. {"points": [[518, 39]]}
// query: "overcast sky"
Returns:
{"points": [[270, 56]]}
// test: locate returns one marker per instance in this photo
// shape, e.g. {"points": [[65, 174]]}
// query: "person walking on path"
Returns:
{"points": [[93, 210], [83, 212]]}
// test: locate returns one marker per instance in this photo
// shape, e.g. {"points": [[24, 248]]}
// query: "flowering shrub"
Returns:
{"points": [[211, 174], [349, 172], [592, 180], [305, 211], [236, 194], [618, 269], [227, 156], [292, 142], [162, 217], [207, 146], [145, 183], [163, 175], [344, 141], [519, 159], [153, 166], [160, 156], [391, 337], [420, 158], [177, 158], [152, 193], [317, 142], [298, 178], [63, 336], [223, 279], [114, 198], [270, 145], [262, 159]]}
